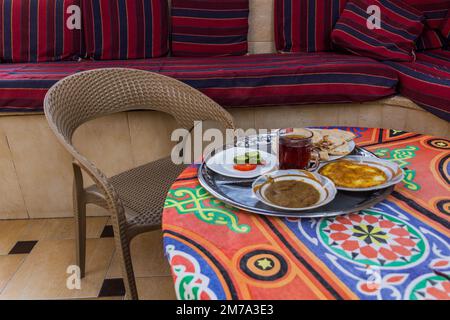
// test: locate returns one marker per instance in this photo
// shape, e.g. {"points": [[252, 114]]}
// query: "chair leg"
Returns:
{"points": [[79, 208], [123, 249], [80, 234]]}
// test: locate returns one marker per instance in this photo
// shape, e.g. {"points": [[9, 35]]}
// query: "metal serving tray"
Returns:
{"points": [[238, 193]]}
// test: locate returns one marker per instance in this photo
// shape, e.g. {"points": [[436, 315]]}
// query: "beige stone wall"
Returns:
{"points": [[36, 172], [261, 27]]}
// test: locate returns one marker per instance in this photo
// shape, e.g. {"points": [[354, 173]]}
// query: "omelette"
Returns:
{"points": [[351, 174]]}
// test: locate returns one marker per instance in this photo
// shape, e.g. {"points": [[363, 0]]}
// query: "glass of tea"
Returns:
{"points": [[295, 149]]}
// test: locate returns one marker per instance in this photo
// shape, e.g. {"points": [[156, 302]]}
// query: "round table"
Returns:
{"points": [[399, 249]]}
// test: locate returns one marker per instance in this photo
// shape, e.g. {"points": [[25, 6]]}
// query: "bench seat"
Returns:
{"points": [[253, 80]]}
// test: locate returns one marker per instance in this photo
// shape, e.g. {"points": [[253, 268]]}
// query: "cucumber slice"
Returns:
{"points": [[254, 157], [243, 159]]}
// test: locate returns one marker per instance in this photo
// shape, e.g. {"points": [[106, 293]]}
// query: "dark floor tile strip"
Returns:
{"points": [[112, 288], [108, 232], [23, 247]]}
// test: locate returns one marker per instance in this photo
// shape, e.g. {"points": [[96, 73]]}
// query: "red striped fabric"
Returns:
{"points": [[427, 81], [256, 80], [306, 25], [430, 39], [400, 27], [209, 28], [434, 11], [36, 31], [445, 30], [126, 29]]}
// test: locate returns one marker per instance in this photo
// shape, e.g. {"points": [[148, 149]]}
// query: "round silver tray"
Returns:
{"points": [[238, 193]]}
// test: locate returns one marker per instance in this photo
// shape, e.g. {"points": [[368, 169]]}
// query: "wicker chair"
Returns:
{"points": [[134, 198]]}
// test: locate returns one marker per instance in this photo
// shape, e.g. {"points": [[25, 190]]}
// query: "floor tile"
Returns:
{"points": [[43, 273], [112, 288], [156, 288], [107, 232], [23, 247], [147, 256], [10, 231], [8, 266], [59, 229]]}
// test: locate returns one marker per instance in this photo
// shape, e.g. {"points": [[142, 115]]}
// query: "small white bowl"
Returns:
{"points": [[325, 186]]}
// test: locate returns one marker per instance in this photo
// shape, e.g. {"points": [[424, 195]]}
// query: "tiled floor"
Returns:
{"points": [[35, 255]]}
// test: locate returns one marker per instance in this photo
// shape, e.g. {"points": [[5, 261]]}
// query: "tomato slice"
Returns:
{"points": [[245, 167]]}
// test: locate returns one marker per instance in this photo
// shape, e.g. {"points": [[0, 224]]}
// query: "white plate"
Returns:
{"points": [[223, 163], [392, 170], [322, 184]]}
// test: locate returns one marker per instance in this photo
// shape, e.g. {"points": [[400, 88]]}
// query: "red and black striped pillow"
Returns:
{"points": [[36, 31], [401, 25], [430, 39], [209, 27], [126, 29], [306, 25], [434, 11], [445, 30]]}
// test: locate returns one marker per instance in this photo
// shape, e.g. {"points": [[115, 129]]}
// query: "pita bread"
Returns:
{"points": [[346, 135], [320, 133], [336, 142], [341, 150]]}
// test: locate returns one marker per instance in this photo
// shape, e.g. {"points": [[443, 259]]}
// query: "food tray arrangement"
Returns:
{"points": [[239, 192]]}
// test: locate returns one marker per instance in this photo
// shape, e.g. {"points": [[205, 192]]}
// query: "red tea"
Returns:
{"points": [[295, 151]]}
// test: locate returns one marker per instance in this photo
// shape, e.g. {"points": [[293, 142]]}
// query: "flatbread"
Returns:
{"points": [[337, 140], [342, 150], [346, 135]]}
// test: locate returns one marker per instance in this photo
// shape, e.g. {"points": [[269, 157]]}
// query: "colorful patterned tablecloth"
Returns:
{"points": [[399, 249]]}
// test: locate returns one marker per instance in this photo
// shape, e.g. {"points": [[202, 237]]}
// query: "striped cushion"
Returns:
{"points": [[427, 81], [445, 30], [306, 25], [126, 29], [430, 39], [400, 27], [209, 27], [36, 31], [267, 79], [434, 11]]}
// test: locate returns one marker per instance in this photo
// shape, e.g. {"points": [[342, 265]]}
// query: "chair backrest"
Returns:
{"points": [[88, 95], [92, 94]]}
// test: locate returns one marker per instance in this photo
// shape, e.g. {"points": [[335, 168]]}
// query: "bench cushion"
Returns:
{"points": [[269, 79], [36, 31], [209, 28], [427, 81], [126, 29], [305, 25], [401, 25]]}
